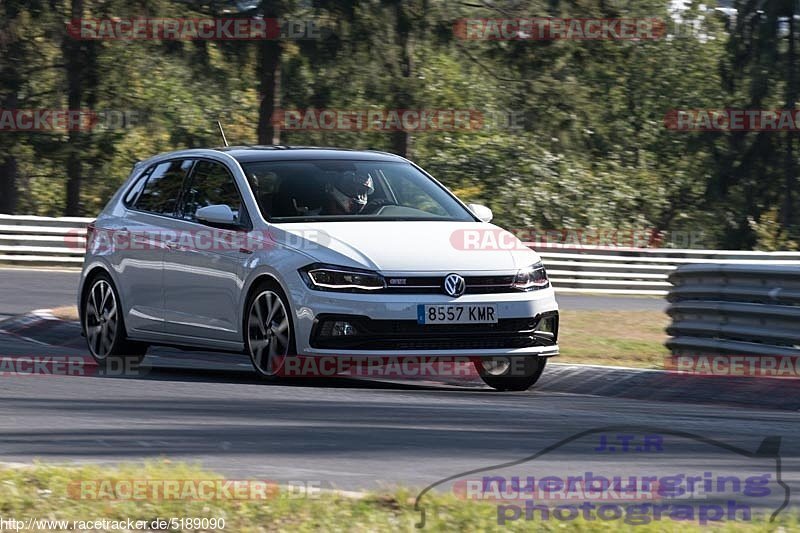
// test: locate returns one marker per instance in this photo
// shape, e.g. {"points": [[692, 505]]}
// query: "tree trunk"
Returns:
{"points": [[403, 96], [269, 131], [787, 214], [9, 172], [73, 59], [270, 54], [12, 54]]}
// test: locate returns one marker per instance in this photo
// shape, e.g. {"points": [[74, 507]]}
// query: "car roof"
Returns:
{"points": [[245, 154]]}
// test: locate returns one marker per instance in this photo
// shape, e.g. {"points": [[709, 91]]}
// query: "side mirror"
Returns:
{"points": [[216, 214], [483, 213]]}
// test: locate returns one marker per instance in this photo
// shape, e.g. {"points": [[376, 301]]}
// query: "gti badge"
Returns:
{"points": [[454, 285]]}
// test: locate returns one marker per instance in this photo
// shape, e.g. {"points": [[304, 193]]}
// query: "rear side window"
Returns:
{"points": [[163, 187], [133, 192], [211, 184]]}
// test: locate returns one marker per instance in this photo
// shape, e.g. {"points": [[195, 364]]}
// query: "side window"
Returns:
{"points": [[265, 187], [211, 184], [163, 187], [133, 192]]}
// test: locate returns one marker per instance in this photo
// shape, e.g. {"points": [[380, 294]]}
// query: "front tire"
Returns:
{"points": [[269, 330], [104, 326], [515, 373]]}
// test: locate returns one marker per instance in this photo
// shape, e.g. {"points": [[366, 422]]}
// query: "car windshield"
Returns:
{"points": [[302, 191]]}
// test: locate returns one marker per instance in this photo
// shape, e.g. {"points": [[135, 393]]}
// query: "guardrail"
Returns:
{"points": [[735, 309], [643, 271], [44, 241]]}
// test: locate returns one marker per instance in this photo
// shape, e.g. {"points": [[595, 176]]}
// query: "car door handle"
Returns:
{"points": [[247, 251], [172, 245]]}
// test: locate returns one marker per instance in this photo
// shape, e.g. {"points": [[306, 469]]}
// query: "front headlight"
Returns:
{"points": [[335, 278], [532, 278]]}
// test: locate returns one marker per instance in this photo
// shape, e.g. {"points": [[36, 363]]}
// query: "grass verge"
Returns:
{"points": [[624, 338], [45, 492]]}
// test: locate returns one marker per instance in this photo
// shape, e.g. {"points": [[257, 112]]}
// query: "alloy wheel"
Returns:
{"points": [[101, 319], [268, 332]]}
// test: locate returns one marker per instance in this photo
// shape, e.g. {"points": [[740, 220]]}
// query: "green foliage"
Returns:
{"points": [[771, 235], [573, 132]]}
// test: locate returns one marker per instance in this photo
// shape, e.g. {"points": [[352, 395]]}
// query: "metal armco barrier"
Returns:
{"points": [[737, 309], [43, 241], [643, 271]]}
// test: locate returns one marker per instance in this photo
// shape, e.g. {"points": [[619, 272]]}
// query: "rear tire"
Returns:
{"points": [[514, 373], [104, 326]]}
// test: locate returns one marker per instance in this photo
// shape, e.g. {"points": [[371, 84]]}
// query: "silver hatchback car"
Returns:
{"points": [[314, 253]]}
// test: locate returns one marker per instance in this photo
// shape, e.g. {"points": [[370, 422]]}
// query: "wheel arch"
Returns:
{"points": [[88, 277], [254, 281]]}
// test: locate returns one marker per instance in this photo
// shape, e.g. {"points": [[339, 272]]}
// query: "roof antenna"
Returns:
{"points": [[222, 132]]}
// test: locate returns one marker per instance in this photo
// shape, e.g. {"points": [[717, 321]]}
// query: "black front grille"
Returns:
{"points": [[434, 284], [460, 344], [409, 335]]}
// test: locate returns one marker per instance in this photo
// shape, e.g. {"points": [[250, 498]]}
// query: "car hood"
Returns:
{"points": [[403, 246]]}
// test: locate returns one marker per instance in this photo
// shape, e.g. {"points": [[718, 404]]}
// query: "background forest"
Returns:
{"points": [[573, 136]]}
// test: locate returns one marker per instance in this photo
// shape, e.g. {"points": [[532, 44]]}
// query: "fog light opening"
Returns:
{"points": [[546, 325], [342, 329]]}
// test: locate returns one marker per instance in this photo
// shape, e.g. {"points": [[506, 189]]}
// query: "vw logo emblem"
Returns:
{"points": [[454, 285]]}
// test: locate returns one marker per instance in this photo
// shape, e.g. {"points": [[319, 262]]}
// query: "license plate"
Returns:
{"points": [[456, 314]]}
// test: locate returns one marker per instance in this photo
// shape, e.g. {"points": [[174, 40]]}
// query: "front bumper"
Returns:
{"points": [[387, 325], [404, 335]]}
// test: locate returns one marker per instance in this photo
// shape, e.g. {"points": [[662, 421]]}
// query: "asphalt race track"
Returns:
{"points": [[24, 290], [349, 434]]}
